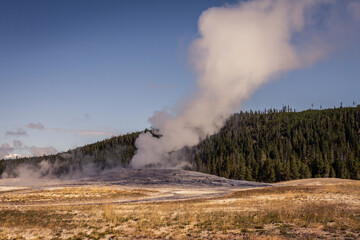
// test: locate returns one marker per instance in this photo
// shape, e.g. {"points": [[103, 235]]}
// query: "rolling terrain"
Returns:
{"points": [[177, 204], [90, 193], [267, 146]]}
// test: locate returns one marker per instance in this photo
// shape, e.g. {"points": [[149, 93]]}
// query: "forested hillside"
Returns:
{"points": [[264, 146], [281, 145], [93, 158]]}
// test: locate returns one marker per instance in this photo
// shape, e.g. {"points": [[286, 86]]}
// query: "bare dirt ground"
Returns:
{"points": [[176, 204]]}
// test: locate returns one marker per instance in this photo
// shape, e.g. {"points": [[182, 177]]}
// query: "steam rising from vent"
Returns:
{"points": [[240, 48]]}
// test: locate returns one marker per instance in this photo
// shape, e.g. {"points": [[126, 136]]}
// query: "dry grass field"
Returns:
{"points": [[303, 209]]}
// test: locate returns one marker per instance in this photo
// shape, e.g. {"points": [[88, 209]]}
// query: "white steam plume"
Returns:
{"points": [[241, 47]]}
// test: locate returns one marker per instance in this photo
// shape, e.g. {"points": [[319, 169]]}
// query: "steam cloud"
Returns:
{"points": [[242, 47], [64, 166]]}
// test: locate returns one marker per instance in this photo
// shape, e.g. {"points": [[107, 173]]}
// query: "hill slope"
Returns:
{"points": [[280, 145], [90, 158], [261, 146]]}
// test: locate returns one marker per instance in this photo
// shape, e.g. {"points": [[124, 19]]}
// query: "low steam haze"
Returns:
{"points": [[240, 48]]}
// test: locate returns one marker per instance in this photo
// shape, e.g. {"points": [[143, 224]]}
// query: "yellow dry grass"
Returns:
{"points": [[283, 212], [71, 194]]}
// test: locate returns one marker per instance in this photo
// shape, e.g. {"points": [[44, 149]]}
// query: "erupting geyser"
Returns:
{"points": [[242, 47]]}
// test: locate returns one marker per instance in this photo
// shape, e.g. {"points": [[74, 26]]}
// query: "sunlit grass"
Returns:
{"points": [[297, 212], [73, 194]]}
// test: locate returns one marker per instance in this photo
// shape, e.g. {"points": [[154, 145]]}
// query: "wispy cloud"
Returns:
{"points": [[20, 150], [85, 117], [18, 132], [35, 126], [39, 151], [83, 132], [106, 133], [5, 150], [17, 144]]}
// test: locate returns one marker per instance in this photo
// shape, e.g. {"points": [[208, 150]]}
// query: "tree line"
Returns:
{"points": [[277, 145], [268, 146], [106, 154]]}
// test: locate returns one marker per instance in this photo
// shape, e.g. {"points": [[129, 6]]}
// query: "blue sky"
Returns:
{"points": [[75, 72]]}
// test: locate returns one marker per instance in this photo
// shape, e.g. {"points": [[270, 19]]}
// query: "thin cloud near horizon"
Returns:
{"points": [[18, 132], [40, 126]]}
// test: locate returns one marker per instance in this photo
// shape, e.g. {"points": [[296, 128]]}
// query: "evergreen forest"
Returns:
{"points": [[267, 146], [274, 146]]}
